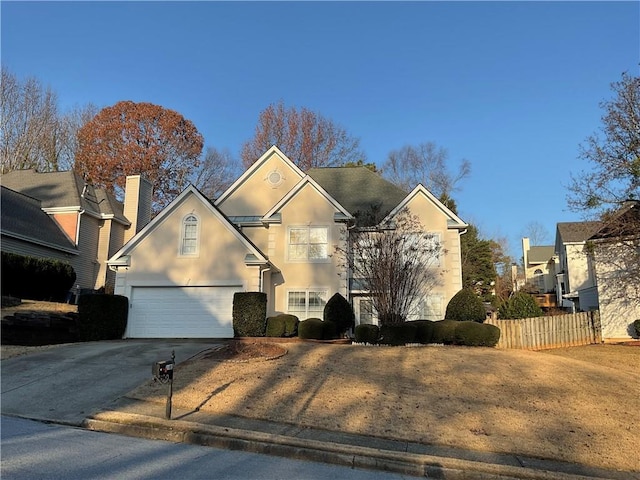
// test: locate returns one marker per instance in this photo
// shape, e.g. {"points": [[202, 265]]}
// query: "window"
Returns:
{"points": [[307, 303], [367, 312], [429, 308], [308, 244], [189, 242]]}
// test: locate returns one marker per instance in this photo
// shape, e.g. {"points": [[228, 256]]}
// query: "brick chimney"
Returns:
{"points": [[137, 204]]}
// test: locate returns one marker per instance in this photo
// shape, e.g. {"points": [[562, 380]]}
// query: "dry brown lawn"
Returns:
{"points": [[578, 405]]}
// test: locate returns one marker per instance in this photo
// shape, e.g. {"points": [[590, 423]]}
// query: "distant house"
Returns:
{"points": [[540, 265], [615, 248], [58, 215], [274, 230], [576, 279]]}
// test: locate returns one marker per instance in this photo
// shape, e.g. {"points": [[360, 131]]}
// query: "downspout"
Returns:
{"points": [[78, 227], [262, 272]]}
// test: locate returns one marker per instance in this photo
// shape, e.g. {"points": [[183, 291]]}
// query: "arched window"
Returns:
{"points": [[189, 241]]}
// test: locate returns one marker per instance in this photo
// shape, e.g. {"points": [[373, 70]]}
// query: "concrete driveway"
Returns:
{"points": [[67, 383]]}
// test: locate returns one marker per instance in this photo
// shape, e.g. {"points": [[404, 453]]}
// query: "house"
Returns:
{"points": [[576, 281], [60, 216], [615, 252], [540, 265], [274, 230]]}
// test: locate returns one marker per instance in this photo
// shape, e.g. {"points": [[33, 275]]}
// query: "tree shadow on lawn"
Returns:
{"points": [[475, 398]]}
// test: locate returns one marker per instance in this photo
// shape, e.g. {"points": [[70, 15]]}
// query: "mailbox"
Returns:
{"points": [[163, 370]]}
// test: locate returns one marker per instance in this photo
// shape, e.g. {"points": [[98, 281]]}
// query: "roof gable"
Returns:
{"points": [[255, 254], [273, 215], [365, 194], [453, 221], [576, 232], [286, 169]]}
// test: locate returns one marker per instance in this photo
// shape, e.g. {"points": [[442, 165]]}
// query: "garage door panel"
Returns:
{"points": [[182, 312]]}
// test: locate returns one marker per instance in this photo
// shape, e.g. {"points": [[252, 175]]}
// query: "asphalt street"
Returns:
{"points": [[77, 454], [67, 383]]}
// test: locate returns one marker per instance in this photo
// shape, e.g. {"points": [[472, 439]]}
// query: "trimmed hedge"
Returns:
{"points": [[282, 325], [398, 334], [316, 329], [473, 334], [636, 326], [249, 314], [424, 330], [102, 317], [367, 333], [36, 278], [339, 311], [466, 306], [444, 331]]}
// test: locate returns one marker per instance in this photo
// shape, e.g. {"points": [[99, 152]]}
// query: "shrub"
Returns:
{"points": [[36, 278], [338, 310], [636, 326], [444, 331], [466, 306], [282, 325], [311, 329], [398, 334], [475, 334], [424, 331], [329, 330], [275, 326], [249, 314], [367, 333], [520, 305], [102, 317]]}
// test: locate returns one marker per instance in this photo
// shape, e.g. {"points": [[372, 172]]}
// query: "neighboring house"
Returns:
{"points": [[616, 252], [274, 230], [540, 265], [576, 281], [58, 215]]}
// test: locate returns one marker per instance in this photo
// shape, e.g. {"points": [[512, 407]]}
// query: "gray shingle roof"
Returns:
{"points": [[23, 217], [63, 189], [577, 231], [364, 193], [541, 254]]}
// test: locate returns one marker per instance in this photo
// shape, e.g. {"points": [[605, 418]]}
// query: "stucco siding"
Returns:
{"points": [[257, 194], [219, 260], [68, 222]]}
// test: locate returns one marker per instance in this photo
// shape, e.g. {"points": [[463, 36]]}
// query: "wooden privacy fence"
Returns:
{"points": [[539, 333]]}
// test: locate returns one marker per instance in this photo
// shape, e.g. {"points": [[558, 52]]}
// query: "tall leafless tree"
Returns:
{"points": [[425, 164], [216, 172], [306, 137], [396, 262]]}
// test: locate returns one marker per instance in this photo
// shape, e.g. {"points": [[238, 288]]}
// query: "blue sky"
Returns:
{"points": [[513, 87]]}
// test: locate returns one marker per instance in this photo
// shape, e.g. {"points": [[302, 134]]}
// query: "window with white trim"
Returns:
{"points": [[308, 244], [189, 239], [430, 307], [308, 303]]}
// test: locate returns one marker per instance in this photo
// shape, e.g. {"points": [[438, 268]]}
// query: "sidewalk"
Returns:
{"points": [[145, 419]]}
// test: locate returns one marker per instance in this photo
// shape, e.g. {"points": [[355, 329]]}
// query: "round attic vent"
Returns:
{"points": [[275, 178]]}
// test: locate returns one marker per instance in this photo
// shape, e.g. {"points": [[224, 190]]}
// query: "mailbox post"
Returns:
{"points": [[163, 373]]}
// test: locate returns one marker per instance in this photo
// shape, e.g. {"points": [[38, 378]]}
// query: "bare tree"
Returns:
{"points": [[610, 190], [29, 126], [536, 233], [307, 138], [69, 126], [425, 164], [396, 263], [215, 173]]}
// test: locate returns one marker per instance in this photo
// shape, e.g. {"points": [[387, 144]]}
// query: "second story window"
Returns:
{"points": [[189, 241], [308, 244]]}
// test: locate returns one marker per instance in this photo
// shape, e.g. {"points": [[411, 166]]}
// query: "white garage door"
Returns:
{"points": [[181, 312]]}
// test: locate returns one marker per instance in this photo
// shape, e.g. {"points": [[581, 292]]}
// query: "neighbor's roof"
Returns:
{"points": [[541, 254], [23, 218], [359, 190], [571, 232], [622, 222], [63, 190]]}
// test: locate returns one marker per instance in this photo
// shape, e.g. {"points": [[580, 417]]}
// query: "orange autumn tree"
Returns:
{"points": [[139, 138], [309, 139]]}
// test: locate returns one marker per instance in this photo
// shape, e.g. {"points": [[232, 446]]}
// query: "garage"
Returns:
{"points": [[181, 312]]}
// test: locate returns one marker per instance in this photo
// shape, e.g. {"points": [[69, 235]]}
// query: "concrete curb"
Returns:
{"points": [[421, 465]]}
